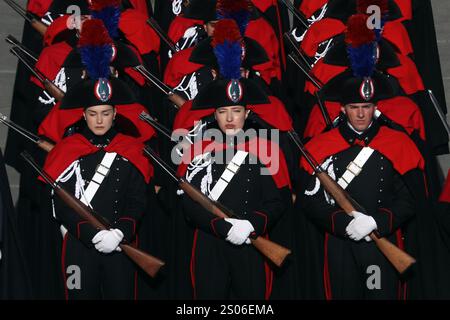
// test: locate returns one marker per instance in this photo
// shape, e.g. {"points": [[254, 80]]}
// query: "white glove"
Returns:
{"points": [[361, 226], [239, 232], [106, 241]]}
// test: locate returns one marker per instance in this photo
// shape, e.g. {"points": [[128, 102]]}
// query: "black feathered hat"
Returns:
{"points": [[96, 50], [201, 10]]}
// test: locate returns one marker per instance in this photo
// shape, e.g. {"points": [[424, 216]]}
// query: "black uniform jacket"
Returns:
{"points": [[121, 198]]}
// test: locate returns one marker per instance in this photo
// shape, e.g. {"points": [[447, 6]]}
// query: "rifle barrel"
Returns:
{"points": [[152, 22], [152, 154], [26, 63], [12, 40], [439, 111], [147, 118], [19, 129], [17, 8], [153, 79], [296, 13], [315, 81], [323, 110]]}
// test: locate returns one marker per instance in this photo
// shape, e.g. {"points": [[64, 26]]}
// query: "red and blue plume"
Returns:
{"points": [[109, 12], [227, 46], [363, 5], [96, 48], [361, 46], [238, 10]]}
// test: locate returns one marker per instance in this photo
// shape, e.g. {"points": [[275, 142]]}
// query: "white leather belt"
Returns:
{"points": [[354, 168], [100, 173], [228, 175]]}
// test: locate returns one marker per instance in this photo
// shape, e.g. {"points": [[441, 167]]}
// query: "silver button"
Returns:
{"points": [[115, 211], [246, 191], [246, 201], [379, 201], [118, 179], [382, 168], [248, 180], [381, 190], [381, 158], [381, 179]]}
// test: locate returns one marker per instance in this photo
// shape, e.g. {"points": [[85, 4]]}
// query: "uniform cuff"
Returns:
{"points": [[259, 221], [383, 218], [220, 227], [339, 222], [85, 232], [128, 227]]}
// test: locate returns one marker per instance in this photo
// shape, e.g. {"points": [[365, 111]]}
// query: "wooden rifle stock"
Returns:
{"points": [[30, 17], [54, 91], [176, 99], [273, 251], [172, 96], [148, 263], [49, 86], [43, 144], [396, 256], [38, 26]]}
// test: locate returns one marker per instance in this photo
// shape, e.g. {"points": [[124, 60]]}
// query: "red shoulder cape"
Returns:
{"points": [[274, 113], [77, 146], [308, 7], [401, 110], [58, 25], [179, 25], [57, 121], [141, 6], [50, 61], [134, 26], [179, 66], [39, 7], [262, 32], [394, 145], [269, 153]]}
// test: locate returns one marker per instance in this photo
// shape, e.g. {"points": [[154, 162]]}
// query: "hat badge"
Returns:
{"points": [[103, 89], [367, 89], [234, 91]]}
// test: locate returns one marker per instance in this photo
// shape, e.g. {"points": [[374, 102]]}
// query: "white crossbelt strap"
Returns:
{"points": [[228, 174], [354, 168], [100, 173]]}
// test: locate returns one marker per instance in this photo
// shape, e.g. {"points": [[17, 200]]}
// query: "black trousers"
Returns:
{"points": [[221, 270], [89, 274], [358, 270]]}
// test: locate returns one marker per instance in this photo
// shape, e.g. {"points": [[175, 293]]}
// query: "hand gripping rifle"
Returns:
{"points": [[41, 143], [171, 95], [49, 86], [34, 20], [397, 257], [148, 263], [273, 251]]}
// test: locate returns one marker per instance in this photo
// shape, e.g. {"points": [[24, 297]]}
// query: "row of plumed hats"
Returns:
{"points": [[227, 51]]}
